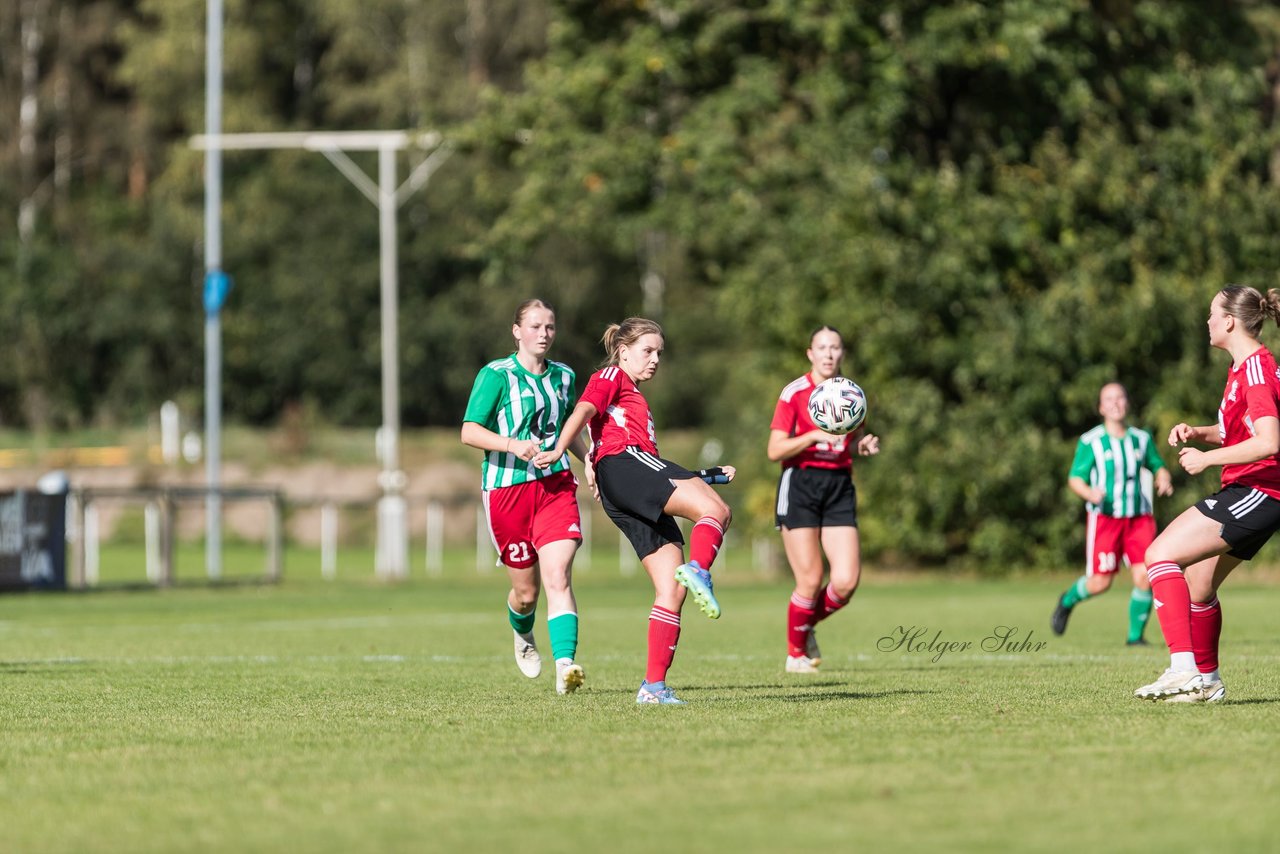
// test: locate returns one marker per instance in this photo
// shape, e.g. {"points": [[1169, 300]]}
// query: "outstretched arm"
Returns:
{"points": [[783, 447], [1265, 442], [1084, 491], [569, 433], [1206, 434]]}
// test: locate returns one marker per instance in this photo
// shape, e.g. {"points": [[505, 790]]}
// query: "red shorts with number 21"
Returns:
{"points": [[1110, 540], [525, 517]]}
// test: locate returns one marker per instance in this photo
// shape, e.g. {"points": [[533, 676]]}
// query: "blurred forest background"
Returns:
{"points": [[1001, 204]]}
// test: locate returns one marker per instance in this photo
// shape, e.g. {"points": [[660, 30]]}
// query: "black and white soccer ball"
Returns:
{"points": [[838, 406]]}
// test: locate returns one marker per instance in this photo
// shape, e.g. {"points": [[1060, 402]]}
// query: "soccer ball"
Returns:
{"points": [[838, 406]]}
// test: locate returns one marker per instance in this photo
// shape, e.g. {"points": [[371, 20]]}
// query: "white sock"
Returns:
{"points": [[1215, 676], [1183, 662]]}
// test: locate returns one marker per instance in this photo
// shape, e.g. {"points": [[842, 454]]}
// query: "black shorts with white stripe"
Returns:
{"points": [[634, 489], [816, 498], [1249, 517]]}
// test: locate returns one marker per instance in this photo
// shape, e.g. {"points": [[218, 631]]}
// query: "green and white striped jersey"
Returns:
{"points": [[1122, 467], [513, 402]]}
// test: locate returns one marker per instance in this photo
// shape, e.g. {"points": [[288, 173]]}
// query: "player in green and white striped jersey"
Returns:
{"points": [[1113, 472], [518, 405]]}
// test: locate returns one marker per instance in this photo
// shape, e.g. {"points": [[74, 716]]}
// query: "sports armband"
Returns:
{"points": [[714, 476]]}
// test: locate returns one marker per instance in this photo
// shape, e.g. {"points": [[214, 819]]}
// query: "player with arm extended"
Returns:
{"points": [[1198, 550], [517, 407], [1112, 472], [642, 492], [817, 504]]}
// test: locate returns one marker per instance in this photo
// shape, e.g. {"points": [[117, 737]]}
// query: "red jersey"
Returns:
{"points": [[1252, 392], [791, 416], [622, 414]]}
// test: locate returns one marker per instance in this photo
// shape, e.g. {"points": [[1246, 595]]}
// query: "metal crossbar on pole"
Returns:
{"points": [[392, 555]]}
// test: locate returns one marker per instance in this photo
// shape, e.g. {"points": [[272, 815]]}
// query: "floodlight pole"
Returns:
{"points": [[391, 557], [392, 554], [214, 294]]}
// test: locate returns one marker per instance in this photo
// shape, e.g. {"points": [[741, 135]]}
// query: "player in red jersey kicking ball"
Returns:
{"points": [[1193, 556], [817, 508], [642, 492], [517, 406]]}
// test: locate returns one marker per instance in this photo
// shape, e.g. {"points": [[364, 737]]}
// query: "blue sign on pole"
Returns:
{"points": [[216, 286]]}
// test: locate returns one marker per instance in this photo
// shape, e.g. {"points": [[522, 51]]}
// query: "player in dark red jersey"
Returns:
{"points": [[642, 492], [1194, 555], [817, 504]]}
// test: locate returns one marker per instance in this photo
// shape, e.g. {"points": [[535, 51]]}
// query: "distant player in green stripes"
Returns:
{"points": [[1113, 471], [518, 405]]}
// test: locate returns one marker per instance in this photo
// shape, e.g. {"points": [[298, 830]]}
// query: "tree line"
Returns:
{"points": [[1001, 205]]}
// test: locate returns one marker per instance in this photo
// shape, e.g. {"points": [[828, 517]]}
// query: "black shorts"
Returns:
{"points": [[816, 498], [1249, 517], [634, 488]]}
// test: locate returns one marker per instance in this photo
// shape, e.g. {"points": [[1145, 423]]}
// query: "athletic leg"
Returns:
{"points": [[1189, 539], [522, 605], [695, 500], [803, 547], [556, 560], [1139, 604], [664, 617]]}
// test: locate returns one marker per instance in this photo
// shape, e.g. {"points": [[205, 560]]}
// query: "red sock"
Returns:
{"points": [[704, 541], [800, 622], [1173, 604], [1206, 628], [664, 634], [830, 604]]}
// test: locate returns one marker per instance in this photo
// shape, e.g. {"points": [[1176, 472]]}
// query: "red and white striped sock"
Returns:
{"points": [[664, 634], [705, 540], [1173, 604], [1206, 629], [800, 620], [830, 604]]}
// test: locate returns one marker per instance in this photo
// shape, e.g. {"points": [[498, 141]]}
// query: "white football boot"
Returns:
{"points": [[1170, 684], [527, 657], [569, 676]]}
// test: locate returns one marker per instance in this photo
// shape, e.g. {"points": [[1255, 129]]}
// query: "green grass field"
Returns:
{"points": [[357, 716]]}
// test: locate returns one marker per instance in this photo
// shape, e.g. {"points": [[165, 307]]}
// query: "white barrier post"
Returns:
{"points": [[626, 557], [328, 541], [90, 534], [435, 538], [151, 525], [583, 560], [170, 428], [762, 555], [483, 543]]}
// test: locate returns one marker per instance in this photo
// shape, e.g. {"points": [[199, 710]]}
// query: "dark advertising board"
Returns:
{"points": [[33, 548]]}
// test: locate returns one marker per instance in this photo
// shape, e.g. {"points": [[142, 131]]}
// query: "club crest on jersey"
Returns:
{"points": [[1235, 385]]}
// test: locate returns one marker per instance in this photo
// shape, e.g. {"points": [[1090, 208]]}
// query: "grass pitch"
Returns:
{"points": [[355, 716]]}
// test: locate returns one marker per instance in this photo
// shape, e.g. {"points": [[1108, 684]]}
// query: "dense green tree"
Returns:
{"points": [[1002, 205]]}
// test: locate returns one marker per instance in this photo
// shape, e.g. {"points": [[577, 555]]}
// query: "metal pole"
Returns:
{"points": [[213, 264], [393, 556]]}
